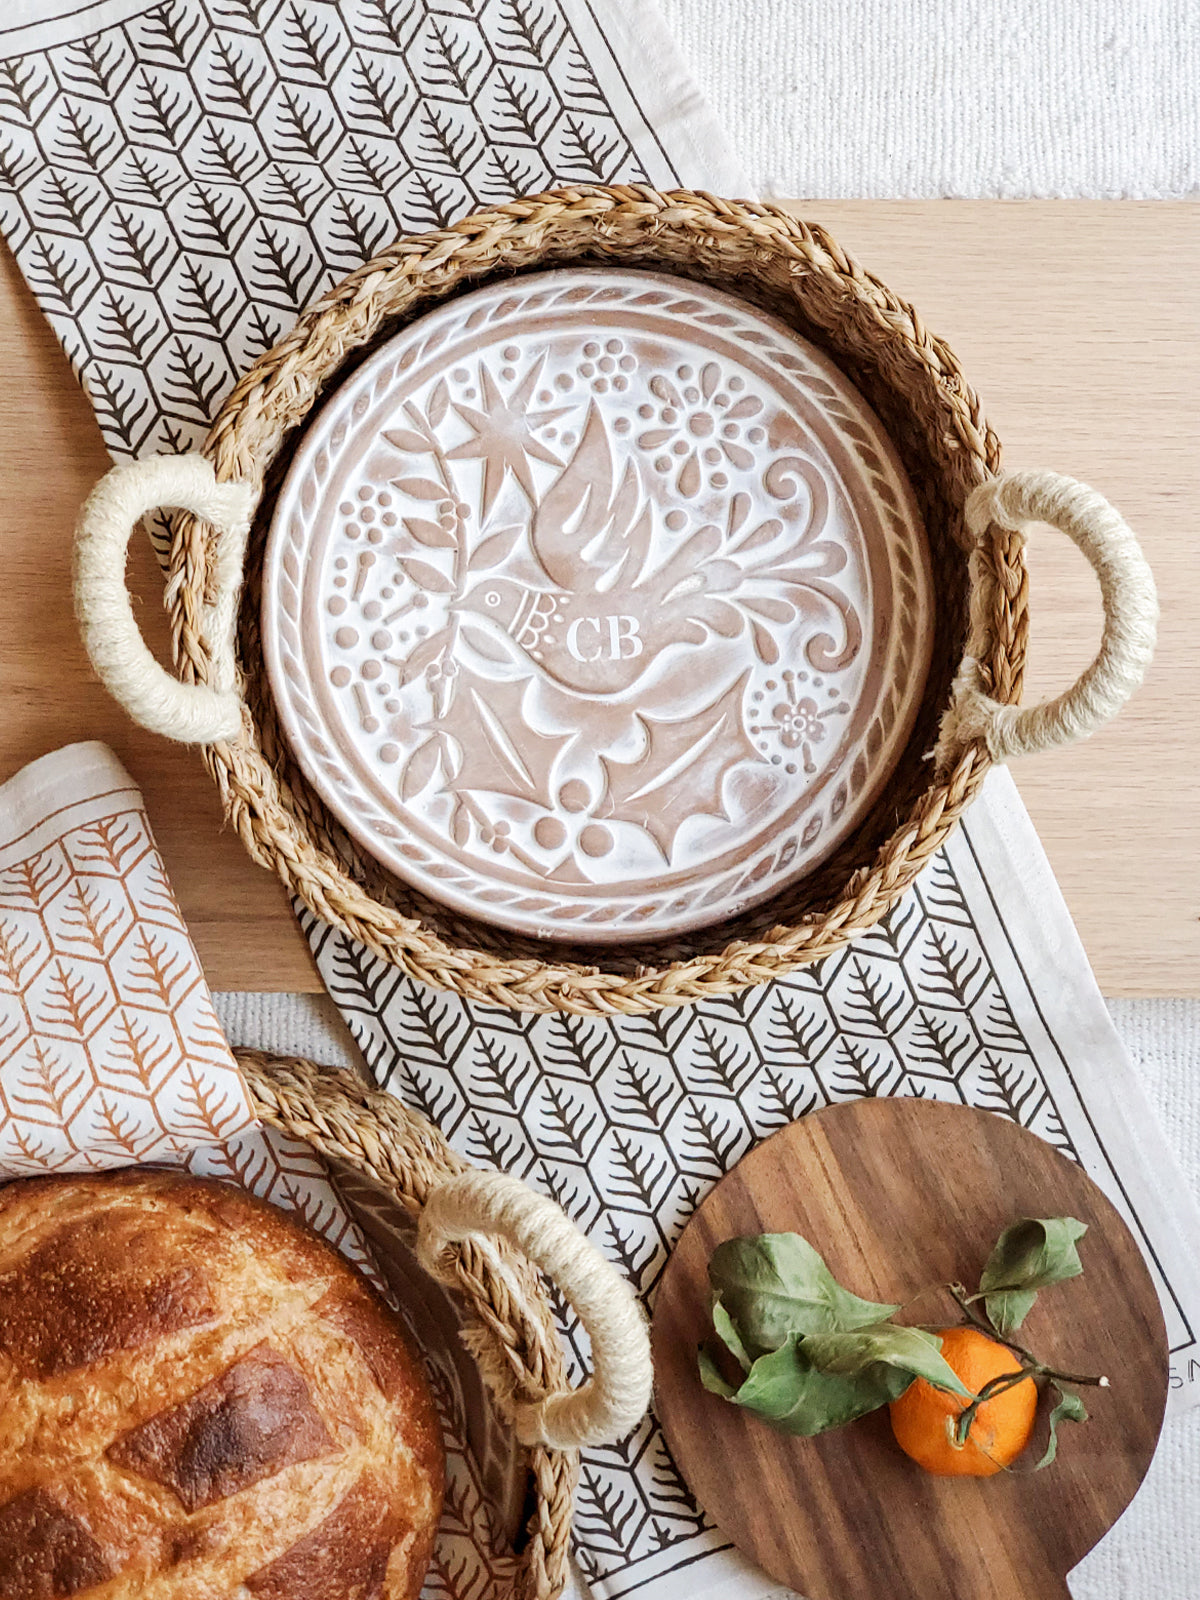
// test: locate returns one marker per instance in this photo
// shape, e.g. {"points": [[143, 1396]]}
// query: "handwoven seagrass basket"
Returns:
{"points": [[975, 522], [482, 1234]]}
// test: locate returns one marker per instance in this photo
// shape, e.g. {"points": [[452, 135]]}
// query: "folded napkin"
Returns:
{"points": [[110, 1049]]}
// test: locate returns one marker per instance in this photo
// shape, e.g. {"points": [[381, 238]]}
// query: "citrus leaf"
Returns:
{"points": [[1030, 1255], [1070, 1408], [729, 1335], [786, 1390], [711, 1378], [1008, 1310], [775, 1284], [912, 1350]]}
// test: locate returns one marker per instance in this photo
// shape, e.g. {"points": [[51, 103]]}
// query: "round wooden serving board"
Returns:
{"points": [[896, 1195]]}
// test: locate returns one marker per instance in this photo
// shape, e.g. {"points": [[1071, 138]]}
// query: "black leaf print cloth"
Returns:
{"points": [[178, 180]]}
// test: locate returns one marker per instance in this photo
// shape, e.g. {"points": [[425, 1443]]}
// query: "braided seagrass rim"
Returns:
{"points": [[514, 1339], [910, 377]]}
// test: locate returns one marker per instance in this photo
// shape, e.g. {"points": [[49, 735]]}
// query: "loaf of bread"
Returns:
{"points": [[199, 1400]]}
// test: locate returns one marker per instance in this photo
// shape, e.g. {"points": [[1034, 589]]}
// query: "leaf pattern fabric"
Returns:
{"points": [[178, 186], [110, 1049]]}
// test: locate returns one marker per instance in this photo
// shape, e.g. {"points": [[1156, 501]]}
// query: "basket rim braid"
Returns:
{"points": [[975, 523], [511, 1331]]}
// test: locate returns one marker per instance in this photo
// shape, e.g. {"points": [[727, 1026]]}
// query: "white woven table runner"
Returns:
{"points": [[177, 181]]}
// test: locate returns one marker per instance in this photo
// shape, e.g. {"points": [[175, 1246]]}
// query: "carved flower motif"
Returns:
{"points": [[699, 425], [799, 723]]}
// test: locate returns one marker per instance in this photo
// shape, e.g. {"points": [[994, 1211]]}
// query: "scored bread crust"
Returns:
{"points": [[200, 1400]]}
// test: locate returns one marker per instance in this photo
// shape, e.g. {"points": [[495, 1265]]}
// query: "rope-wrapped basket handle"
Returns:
{"points": [[479, 1205], [1011, 504], [193, 713], [205, 713]]}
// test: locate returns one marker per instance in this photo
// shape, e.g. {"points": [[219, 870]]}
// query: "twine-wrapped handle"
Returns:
{"points": [[615, 1398], [1010, 504], [190, 712]]}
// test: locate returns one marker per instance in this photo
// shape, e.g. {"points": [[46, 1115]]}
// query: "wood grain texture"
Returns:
{"points": [[1077, 324], [50, 455], [897, 1195]]}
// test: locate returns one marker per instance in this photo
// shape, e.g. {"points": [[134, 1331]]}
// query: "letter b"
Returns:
{"points": [[623, 631]]}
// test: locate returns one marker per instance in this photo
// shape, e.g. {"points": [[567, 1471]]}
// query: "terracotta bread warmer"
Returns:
{"points": [[967, 718]]}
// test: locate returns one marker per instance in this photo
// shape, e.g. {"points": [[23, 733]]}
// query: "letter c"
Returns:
{"points": [[573, 639]]}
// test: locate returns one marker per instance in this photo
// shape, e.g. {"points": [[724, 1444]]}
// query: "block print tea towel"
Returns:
{"points": [[110, 1050]]}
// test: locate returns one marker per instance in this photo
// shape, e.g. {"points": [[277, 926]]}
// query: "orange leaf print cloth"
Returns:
{"points": [[110, 1049]]}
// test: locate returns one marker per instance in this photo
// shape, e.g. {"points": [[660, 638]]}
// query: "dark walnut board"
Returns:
{"points": [[898, 1194]]}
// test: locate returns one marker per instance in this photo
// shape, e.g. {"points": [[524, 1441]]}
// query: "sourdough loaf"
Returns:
{"points": [[199, 1400]]}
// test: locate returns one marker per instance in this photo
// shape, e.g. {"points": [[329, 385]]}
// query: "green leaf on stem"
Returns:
{"points": [[1070, 1408], [729, 1335], [789, 1392], [710, 1376], [776, 1284], [1030, 1255], [909, 1350]]}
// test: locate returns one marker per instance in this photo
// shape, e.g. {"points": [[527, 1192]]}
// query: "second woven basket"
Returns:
{"points": [[483, 1235]]}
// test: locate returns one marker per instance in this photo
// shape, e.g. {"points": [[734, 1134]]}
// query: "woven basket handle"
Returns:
{"points": [[190, 712], [615, 1399], [1010, 504]]}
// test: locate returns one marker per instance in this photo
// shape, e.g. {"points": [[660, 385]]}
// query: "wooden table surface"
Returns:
{"points": [[1079, 325]]}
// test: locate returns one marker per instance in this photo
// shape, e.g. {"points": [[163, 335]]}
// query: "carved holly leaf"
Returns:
{"points": [[460, 824], [493, 760], [497, 647], [490, 552], [439, 403], [425, 653], [419, 768], [426, 577], [682, 770]]}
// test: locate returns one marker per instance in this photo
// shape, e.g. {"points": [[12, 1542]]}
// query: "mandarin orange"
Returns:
{"points": [[923, 1416]]}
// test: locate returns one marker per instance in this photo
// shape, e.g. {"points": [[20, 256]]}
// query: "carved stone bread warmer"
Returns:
{"points": [[968, 718]]}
